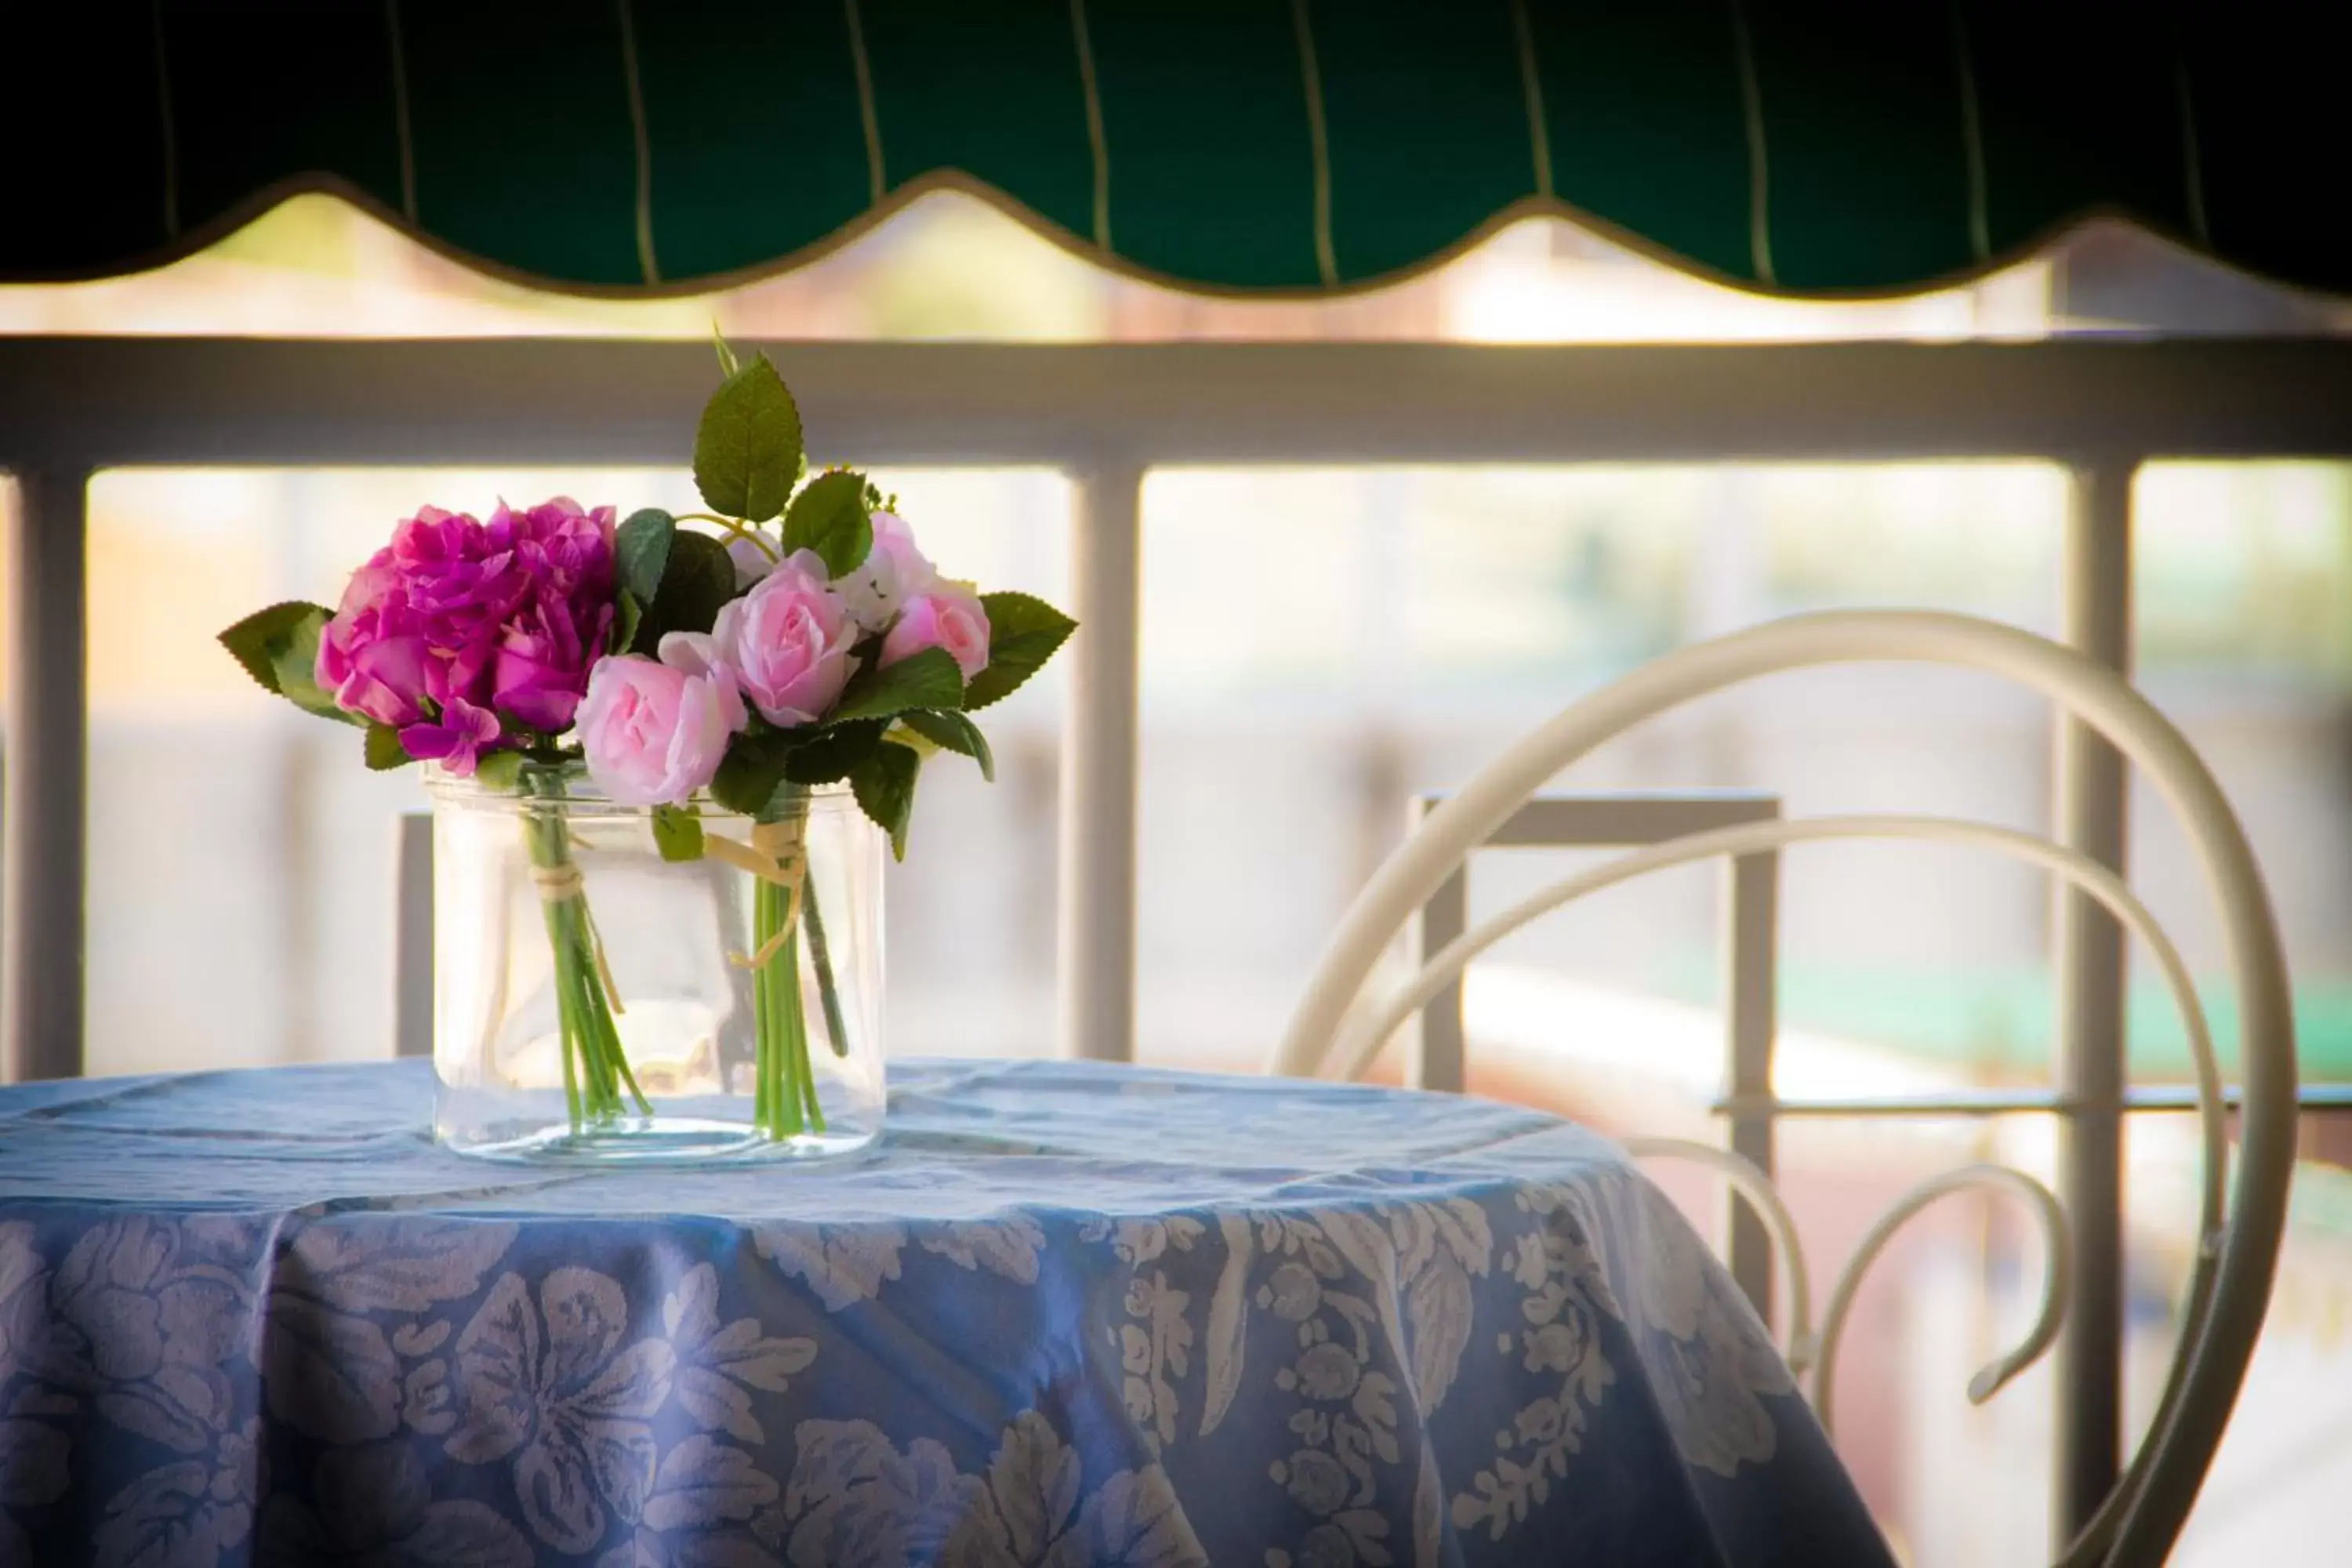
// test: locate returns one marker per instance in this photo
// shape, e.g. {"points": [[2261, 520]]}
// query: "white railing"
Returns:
{"points": [[1106, 415]]}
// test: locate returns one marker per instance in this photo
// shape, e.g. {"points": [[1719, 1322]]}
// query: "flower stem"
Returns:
{"points": [[762, 1115], [785, 1106], [565, 1034], [828, 991], [591, 1090], [738, 529]]}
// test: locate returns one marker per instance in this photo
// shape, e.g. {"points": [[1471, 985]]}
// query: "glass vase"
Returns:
{"points": [[612, 983]]}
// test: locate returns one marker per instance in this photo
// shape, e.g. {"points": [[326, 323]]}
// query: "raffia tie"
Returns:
{"points": [[559, 884], [775, 855]]}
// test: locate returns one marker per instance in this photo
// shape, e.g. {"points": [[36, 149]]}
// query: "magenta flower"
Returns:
{"points": [[463, 585], [419, 622], [457, 622], [456, 740], [374, 655], [563, 557]]}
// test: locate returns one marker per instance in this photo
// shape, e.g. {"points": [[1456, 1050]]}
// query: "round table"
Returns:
{"points": [[1063, 1313]]}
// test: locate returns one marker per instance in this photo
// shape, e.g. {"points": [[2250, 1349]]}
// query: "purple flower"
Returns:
{"points": [[456, 740], [419, 622], [463, 585], [455, 621], [562, 614], [374, 655]]}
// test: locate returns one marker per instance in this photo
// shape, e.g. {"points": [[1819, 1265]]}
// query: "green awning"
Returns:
{"points": [[1242, 145]]}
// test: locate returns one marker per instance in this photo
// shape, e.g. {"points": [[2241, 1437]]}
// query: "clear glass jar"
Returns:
{"points": [[594, 1001]]}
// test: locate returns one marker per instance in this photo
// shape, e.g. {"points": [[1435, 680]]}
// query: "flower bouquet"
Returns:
{"points": [[722, 714]]}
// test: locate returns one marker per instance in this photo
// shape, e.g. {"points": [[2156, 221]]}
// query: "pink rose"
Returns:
{"points": [[456, 740], [752, 562], [949, 616], [894, 571], [654, 730], [787, 641], [695, 654]]}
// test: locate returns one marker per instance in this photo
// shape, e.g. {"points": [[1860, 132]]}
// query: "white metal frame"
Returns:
{"points": [[1106, 414], [2229, 1285], [1437, 1053]]}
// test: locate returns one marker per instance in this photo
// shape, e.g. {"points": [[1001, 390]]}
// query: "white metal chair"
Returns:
{"points": [[1338, 1030]]}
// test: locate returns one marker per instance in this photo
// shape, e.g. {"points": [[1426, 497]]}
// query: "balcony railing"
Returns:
{"points": [[1107, 414]]}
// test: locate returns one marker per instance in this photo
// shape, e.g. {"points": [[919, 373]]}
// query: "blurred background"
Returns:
{"points": [[1321, 645]]}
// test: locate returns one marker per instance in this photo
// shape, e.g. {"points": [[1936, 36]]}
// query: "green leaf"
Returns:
{"points": [[699, 580], [251, 640], [385, 751], [885, 786], [294, 661], [728, 364], [834, 752], [925, 679], [640, 551], [678, 832], [626, 614], [830, 517], [1022, 634], [951, 730], [499, 770], [748, 450], [748, 775]]}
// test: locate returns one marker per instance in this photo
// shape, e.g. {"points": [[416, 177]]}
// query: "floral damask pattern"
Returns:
{"points": [[1704, 1357], [1614, 1248], [546, 1380], [1322, 1373], [856, 1500]]}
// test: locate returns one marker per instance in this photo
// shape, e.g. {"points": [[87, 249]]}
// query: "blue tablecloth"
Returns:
{"points": [[1064, 1314]]}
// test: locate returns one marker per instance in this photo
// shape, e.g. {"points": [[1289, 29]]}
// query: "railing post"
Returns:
{"points": [[1098, 766], [41, 898], [2088, 961]]}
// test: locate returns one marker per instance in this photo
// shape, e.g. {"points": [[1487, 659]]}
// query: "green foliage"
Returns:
{"points": [[641, 550], [830, 516], [699, 579], [678, 832], [385, 751], [249, 641], [627, 612], [748, 775], [279, 646], [885, 786], [297, 663], [727, 363], [499, 770], [925, 679], [834, 752], [1024, 632], [747, 452], [953, 732]]}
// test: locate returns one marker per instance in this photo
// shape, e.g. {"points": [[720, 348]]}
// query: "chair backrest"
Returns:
{"points": [[1750, 937], [2230, 1288]]}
